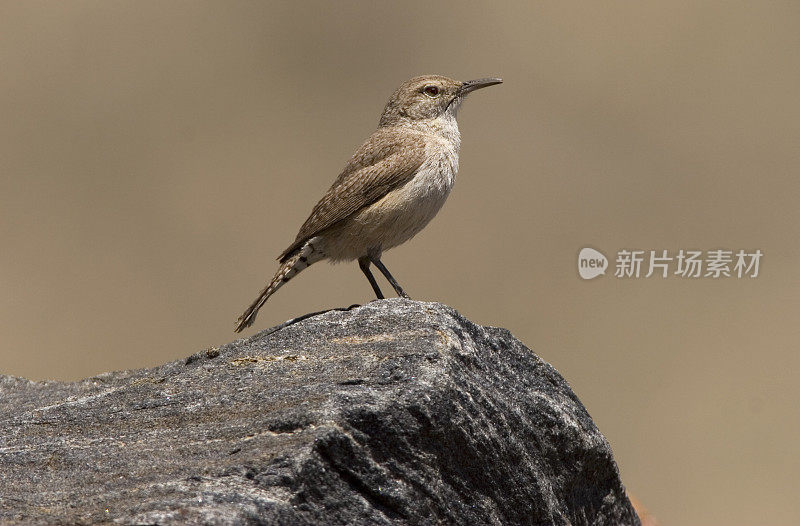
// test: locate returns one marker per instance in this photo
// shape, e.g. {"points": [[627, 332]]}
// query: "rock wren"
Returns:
{"points": [[389, 190]]}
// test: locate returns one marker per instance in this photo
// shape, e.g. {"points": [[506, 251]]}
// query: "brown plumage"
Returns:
{"points": [[389, 190], [389, 158]]}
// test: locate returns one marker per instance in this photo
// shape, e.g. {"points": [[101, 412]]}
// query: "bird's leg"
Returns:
{"points": [[363, 263], [385, 271]]}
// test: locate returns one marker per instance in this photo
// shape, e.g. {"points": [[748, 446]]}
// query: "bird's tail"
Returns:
{"points": [[289, 268]]}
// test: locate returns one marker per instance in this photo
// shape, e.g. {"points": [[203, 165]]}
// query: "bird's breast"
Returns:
{"points": [[404, 211], [401, 213]]}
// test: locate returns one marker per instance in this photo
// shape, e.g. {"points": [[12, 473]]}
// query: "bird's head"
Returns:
{"points": [[428, 97]]}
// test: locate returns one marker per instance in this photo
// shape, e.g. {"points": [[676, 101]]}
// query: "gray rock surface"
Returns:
{"points": [[398, 412]]}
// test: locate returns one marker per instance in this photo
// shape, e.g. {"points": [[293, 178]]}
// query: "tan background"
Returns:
{"points": [[156, 157]]}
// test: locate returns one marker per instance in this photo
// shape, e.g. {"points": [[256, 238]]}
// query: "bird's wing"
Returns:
{"points": [[387, 160]]}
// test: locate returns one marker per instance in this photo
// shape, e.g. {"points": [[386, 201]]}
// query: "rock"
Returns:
{"points": [[398, 412]]}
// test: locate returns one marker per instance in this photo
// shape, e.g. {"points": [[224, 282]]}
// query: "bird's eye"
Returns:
{"points": [[431, 90]]}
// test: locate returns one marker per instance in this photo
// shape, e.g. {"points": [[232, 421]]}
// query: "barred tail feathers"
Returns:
{"points": [[290, 267]]}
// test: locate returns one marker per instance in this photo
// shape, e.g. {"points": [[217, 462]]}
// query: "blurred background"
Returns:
{"points": [[155, 158]]}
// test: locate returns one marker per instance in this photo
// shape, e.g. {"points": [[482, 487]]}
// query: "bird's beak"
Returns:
{"points": [[472, 85]]}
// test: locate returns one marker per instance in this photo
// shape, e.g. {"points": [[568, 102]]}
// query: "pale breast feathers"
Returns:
{"points": [[387, 160]]}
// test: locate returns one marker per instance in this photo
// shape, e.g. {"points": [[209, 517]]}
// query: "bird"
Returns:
{"points": [[389, 190]]}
